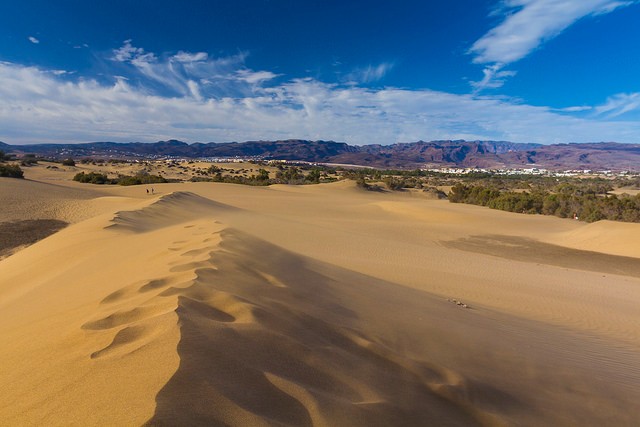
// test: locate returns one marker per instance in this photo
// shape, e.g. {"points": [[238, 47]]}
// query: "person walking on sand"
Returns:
{"points": [[151, 190], [147, 191]]}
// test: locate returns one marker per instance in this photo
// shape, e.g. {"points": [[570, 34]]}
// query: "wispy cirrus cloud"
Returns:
{"points": [[190, 74], [188, 57], [619, 104], [370, 73], [33, 40], [493, 78], [575, 109], [527, 24], [42, 106]]}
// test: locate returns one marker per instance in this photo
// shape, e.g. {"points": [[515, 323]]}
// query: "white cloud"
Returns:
{"points": [[190, 74], [619, 105], [529, 23], [127, 52], [33, 40], [255, 77], [61, 72], [493, 78], [194, 90], [220, 99], [190, 57], [575, 109], [369, 74]]}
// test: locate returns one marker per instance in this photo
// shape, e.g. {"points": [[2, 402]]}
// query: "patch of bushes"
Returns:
{"points": [[394, 184], [435, 193], [284, 175], [92, 178], [98, 178], [5, 157], [263, 175], [11, 171], [140, 179], [588, 202], [290, 175], [29, 160]]}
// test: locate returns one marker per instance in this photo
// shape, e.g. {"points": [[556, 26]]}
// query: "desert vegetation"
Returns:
{"points": [[5, 157], [99, 178], [579, 200], [9, 170], [587, 199], [283, 174], [92, 178], [29, 160]]}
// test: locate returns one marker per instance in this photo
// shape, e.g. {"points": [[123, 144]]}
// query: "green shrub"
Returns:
{"points": [[263, 175], [588, 201], [29, 159], [140, 179], [290, 175], [11, 171], [92, 178], [313, 176]]}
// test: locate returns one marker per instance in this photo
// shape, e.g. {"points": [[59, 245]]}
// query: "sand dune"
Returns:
{"points": [[172, 209], [25, 199], [616, 238], [320, 305]]}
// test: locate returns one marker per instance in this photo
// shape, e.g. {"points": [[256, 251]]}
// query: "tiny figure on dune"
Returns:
{"points": [[147, 191], [152, 190]]}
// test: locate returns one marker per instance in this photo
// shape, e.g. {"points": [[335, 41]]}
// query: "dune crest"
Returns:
{"points": [[173, 208], [91, 316]]}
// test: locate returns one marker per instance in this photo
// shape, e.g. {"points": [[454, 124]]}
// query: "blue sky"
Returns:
{"points": [[546, 71]]}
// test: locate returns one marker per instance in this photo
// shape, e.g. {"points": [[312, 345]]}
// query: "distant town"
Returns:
{"points": [[459, 157]]}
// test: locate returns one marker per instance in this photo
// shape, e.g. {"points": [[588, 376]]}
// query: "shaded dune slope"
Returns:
{"points": [[267, 339], [529, 250], [271, 338]]}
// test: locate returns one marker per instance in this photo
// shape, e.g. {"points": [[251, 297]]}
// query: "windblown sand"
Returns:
{"points": [[215, 304]]}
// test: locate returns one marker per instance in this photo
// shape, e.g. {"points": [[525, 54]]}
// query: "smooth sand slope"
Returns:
{"points": [[319, 305]]}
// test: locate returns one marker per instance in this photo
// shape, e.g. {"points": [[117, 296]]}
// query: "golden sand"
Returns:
{"points": [[217, 304]]}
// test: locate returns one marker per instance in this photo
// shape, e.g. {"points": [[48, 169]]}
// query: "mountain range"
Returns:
{"points": [[460, 153]]}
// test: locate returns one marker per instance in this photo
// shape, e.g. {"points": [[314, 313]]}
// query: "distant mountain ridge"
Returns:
{"points": [[455, 153]]}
